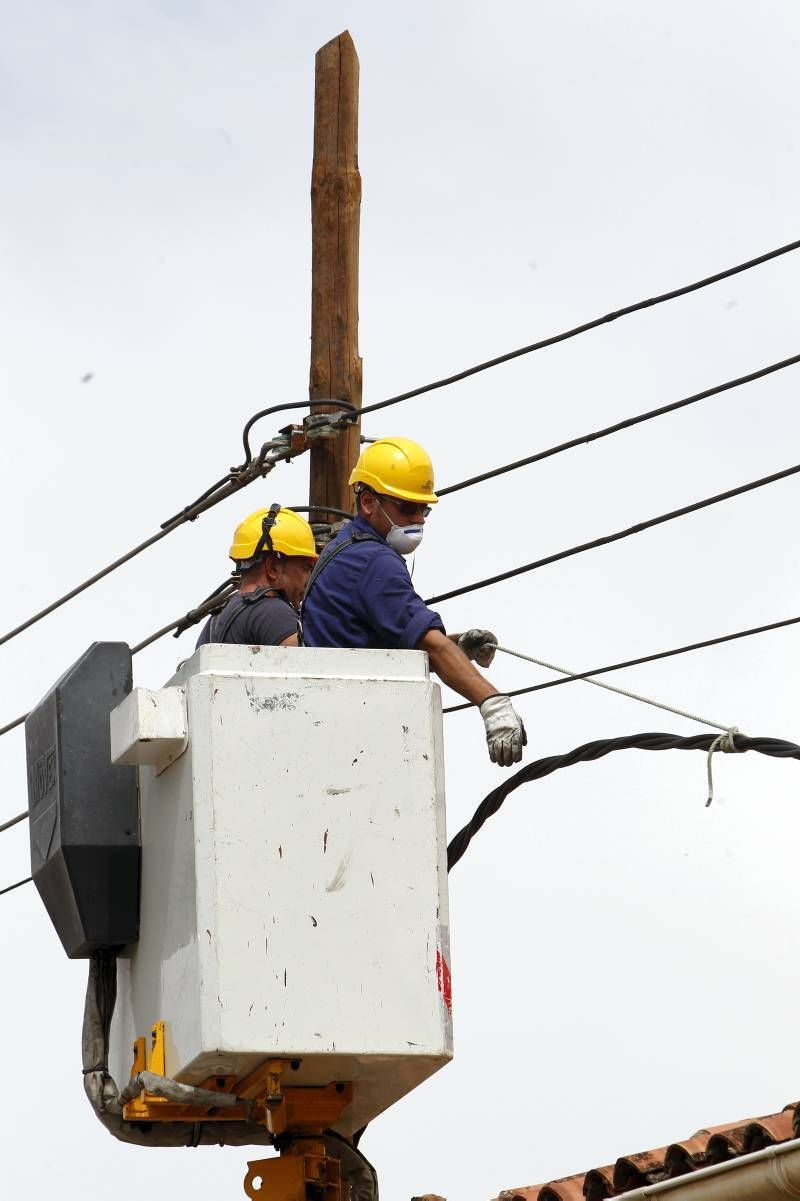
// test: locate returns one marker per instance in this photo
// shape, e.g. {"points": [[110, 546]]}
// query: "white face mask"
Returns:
{"points": [[403, 538]]}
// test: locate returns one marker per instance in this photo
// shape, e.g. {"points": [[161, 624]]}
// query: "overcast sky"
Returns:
{"points": [[624, 960]]}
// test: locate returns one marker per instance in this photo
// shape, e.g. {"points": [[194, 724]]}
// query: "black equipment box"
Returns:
{"points": [[84, 810]]}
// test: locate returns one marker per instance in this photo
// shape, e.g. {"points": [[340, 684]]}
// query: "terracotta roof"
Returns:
{"points": [[706, 1147]]}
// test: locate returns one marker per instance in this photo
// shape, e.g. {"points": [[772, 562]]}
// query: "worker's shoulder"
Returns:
{"points": [[266, 619], [355, 543]]}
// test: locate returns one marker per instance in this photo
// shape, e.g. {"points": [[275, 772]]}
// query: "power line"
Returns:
{"points": [[582, 439], [295, 404], [594, 671], [615, 537], [590, 751], [678, 650], [19, 883], [13, 821], [775, 747], [224, 488], [237, 478], [212, 604], [12, 725], [606, 319]]}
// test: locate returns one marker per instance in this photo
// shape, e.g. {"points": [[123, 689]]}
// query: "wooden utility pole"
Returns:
{"points": [[335, 216]]}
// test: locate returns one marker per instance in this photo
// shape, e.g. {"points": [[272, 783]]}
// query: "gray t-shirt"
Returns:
{"points": [[263, 621]]}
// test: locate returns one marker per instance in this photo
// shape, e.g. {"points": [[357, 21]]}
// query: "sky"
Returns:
{"points": [[624, 959]]}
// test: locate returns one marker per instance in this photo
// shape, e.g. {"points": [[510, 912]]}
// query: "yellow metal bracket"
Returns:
{"points": [[303, 1171], [300, 1113]]}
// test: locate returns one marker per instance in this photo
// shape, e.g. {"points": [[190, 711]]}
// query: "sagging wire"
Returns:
{"points": [[254, 468], [678, 650], [590, 751], [618, 426], [606, 539], [723, 742], [12, 725], [211, 605], [207, 608], [595, 323], [235, 478], [13, 821], [11, 887], [567, 679]]}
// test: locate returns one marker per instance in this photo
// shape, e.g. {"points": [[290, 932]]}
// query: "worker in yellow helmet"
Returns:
{"points": [[360, 592], [274, 553]]}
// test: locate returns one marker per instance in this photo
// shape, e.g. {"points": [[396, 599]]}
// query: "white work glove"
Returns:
{"points": [[478, 645], [505, 733]]}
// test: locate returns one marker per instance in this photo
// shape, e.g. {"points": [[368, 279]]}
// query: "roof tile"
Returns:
{"points": [[712, 1145]]}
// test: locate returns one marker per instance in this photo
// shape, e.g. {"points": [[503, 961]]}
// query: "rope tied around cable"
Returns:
{"points": [[723, 742]]}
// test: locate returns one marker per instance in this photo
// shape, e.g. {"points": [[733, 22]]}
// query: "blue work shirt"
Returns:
{"points": [[364, 598]]}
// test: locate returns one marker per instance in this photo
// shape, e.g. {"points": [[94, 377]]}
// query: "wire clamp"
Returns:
{"points": [[319, 426]]}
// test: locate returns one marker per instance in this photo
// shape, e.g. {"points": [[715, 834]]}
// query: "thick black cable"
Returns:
{"points": [[599, 671], [582, 439], [322, 509], [597, 750], [211, 604], [295, 404], [13, 821], [234, 484], [19, 883], [615, 537], [231, 482], [585, 327], [12, 725], [588, 752]]}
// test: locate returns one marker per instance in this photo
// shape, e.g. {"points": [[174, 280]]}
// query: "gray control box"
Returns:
{"points": [[84, 810]]}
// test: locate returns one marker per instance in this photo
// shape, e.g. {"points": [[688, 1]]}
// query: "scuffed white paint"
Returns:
{"points": [[294, 886]]}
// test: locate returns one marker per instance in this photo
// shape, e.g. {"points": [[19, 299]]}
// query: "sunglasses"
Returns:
{"points": [[409, 508]]}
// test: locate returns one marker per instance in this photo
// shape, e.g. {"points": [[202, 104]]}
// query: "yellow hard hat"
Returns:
{"points": [[396, 467], [273, 529]]}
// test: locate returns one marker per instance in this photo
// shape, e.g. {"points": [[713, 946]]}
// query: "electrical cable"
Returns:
{"points": [[321, 509], [606, 319], [19, 883], [678, 650], [12, 725], [594, 671], [615, 537], [205, 609], [295, 404], [619, 425], [632, 696], [12, 821], [234, 482], [212, 604], [590, 751]]}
